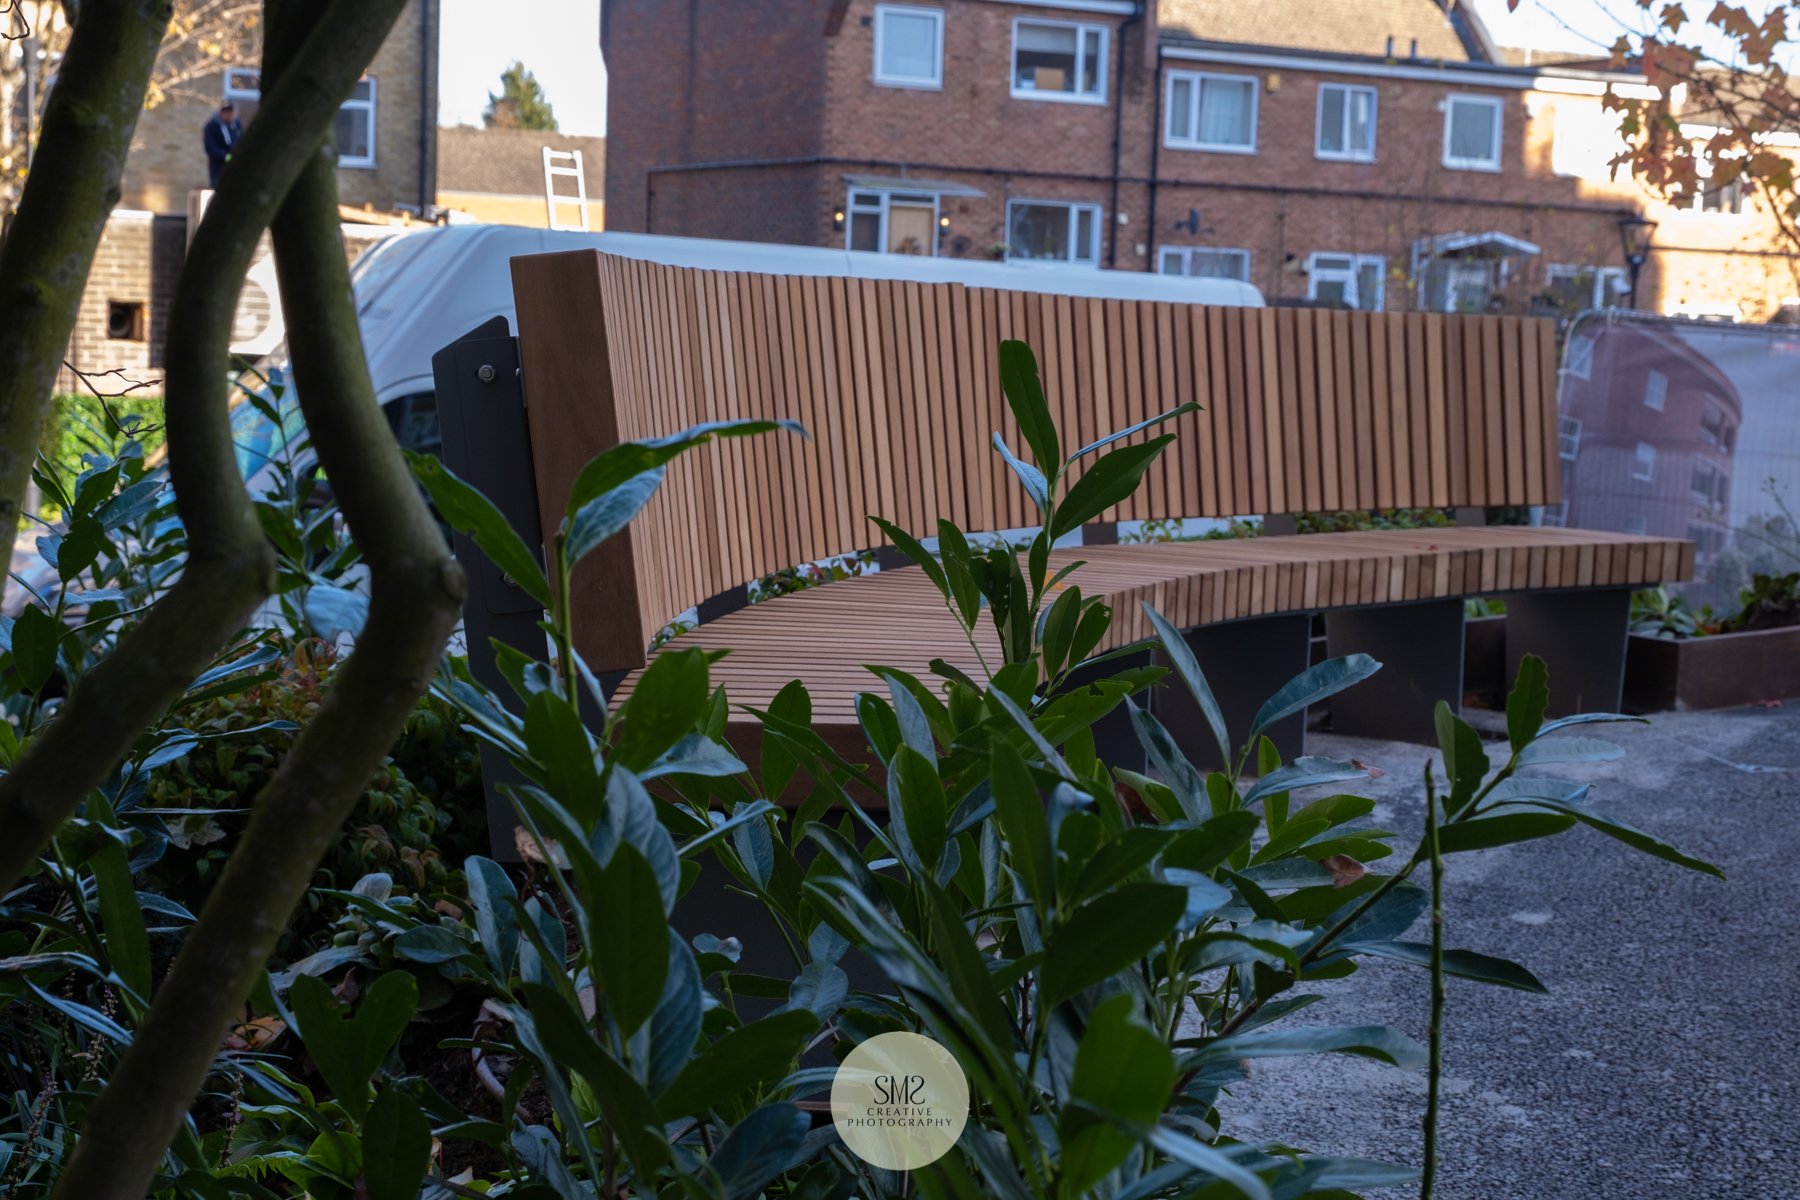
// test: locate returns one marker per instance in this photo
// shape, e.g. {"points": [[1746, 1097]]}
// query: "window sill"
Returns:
{"points": [[912, 85], [1207, 147], [1463, 164], [1059, 97], [1326, 156], [356, 164]]}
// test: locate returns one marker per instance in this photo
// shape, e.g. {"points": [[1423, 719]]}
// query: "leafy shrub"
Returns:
{"points": [[1770, 602], [419, 818], [1658, 612], [1103, 950]]}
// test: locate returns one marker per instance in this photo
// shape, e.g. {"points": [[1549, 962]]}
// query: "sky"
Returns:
{"points": [[558, 40]]}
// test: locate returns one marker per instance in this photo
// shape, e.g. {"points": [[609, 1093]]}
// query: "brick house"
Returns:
{"points": [[386, 140], [1383, 154], [497, 176]]}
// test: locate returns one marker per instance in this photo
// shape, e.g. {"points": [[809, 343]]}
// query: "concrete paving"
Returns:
{"points": [[1663, 1061]]}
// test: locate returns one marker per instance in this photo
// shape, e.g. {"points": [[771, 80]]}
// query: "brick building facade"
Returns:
{"points": [[386, 137], [1384, 153]]}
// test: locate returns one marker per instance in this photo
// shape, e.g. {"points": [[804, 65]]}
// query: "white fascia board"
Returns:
{"points": [[1700, 133], [1578, 83], [1111, 8]]}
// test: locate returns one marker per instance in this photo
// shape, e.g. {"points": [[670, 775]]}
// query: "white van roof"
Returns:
{"points": [[457, 277]]}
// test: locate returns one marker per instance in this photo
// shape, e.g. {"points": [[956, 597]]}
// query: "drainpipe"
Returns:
{"points": [[1112, 237], [428, 107], [1156, 127]]}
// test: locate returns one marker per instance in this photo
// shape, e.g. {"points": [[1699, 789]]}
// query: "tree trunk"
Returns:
{"points": [[52, 237], [230, 567], [416, 596]]}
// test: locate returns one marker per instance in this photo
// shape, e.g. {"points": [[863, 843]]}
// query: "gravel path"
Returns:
{"points": [[1663, 1062]]}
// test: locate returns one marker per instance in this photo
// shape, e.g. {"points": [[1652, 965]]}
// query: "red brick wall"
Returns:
{"points": [[685, 90], [697, 81]]}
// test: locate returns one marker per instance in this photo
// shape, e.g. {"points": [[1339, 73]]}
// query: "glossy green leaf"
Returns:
{"points": [[495, 904], [1181, 656], [750, 1058], [35, 637], [1546, 751], [630, 954], [607, 514], [1019, 807], [1024, 389], [469, 512], [758, 1148], [1106, 936], [1465, 761], [1112, 479], [400, 1137], [671, 697], [347, 1049], [1109, 439], [1310, 771], [1123, 1069], [1032, 479], [560, 743], [1636, 838], [1379, 1042], [1312, 685], [623, 462], [1527, 702], [1482, 833], [1464, 964], [915, 550]]}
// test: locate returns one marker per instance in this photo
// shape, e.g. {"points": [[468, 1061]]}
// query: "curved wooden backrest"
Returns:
{"points": [[1305, 410]]}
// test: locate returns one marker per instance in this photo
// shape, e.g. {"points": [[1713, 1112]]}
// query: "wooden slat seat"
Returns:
{"points": [[1303, 410], [828, 636]]}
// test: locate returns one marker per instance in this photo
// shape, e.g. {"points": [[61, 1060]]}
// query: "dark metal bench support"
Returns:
{"points": [[1244, 662], [481, 412], [1580, 635], [1420, 649]]}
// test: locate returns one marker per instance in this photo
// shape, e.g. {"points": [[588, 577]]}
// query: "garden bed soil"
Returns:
{"points": [[1720, 671]]}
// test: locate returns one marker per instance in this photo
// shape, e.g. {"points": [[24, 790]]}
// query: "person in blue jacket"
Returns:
{"points": [[220, 138]]}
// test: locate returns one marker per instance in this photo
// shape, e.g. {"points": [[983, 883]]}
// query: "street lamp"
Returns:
{"points": [[1634, 234]]}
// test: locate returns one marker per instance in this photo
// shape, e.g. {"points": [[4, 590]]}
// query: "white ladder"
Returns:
{"points": [[565, 163]]}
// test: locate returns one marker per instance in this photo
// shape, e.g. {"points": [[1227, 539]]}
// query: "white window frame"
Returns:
{"points": [[1346, 154], [879, 201], [1185, 254], [1349, 276], [1082, 30], [881, 78], [1451, 101], [363, 162], [1602, 277], [1074, 207], [1636, 524], [1643, 463], [1568, 438], [1656, 386], [237, 92], [1194, 80]]}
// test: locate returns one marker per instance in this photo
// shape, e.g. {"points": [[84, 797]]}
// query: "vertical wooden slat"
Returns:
{"points": [[1513, 405]]}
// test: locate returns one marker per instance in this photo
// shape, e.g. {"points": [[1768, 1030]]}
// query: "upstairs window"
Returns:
{"points": [[1046, 231], [1568, 438], [1472, 133], [1644, 463], [909, 46], [1346, 123], [353, 130], [1211, 112], [1059, 60], [1656, 391], [1206, 262]]}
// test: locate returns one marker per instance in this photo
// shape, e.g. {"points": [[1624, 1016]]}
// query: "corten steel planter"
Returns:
{"points": [[1721, 671]]}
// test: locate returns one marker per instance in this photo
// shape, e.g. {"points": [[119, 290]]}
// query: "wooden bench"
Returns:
{"points": [[1304, 410]]}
